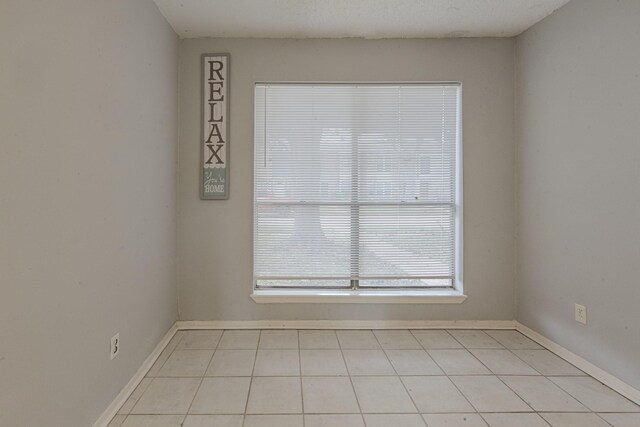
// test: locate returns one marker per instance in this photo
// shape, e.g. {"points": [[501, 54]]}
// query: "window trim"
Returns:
{"points": [[454, 295], [367, 296]]}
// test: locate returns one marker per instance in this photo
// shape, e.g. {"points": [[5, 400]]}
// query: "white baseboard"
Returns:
{"points": [[601, 375], [348, 324], [124, 394]]}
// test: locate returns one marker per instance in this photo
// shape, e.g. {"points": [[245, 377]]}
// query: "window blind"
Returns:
{"points": [[355, 185]]}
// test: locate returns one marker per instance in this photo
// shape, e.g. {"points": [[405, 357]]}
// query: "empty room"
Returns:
{"points": [[319, 213]]}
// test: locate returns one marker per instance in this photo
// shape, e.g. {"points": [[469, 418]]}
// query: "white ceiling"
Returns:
{"points": [[354, 18]]}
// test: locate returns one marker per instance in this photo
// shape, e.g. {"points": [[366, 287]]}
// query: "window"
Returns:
{"points": [[356, 186]]}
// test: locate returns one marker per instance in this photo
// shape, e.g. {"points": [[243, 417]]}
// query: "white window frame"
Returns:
{"points": [[454, 295]]}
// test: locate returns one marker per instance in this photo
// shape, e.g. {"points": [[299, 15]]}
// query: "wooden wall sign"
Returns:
{"points": [[215, 127]]}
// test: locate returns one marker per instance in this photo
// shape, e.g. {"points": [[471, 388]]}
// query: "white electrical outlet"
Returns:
{"points": [[581, 314], [115, 345]]}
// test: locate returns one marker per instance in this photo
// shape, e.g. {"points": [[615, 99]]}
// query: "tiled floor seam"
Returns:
{"points": [[344, 360], [255, 357]]}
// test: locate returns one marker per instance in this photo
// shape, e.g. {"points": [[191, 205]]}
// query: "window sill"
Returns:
{"points": [[427, 296]]}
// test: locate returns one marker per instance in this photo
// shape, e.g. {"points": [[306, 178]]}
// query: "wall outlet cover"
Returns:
{"points": [[581, 314], [115, 346]]}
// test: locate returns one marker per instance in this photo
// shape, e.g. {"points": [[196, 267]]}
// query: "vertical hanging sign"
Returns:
{"points": [[214, 142]]}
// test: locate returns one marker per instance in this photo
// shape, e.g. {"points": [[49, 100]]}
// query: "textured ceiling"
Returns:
{"points": [[354, 18]]}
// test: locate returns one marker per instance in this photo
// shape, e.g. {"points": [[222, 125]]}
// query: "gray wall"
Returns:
{"points": [[215, 237], [578, 100], [88, 112]]}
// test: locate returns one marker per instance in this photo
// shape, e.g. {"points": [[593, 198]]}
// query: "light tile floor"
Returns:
{"points": [[381, 378]]}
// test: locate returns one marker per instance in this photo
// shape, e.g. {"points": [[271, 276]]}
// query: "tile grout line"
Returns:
{"points": [[215, 350], [576, 398], [396, 372], [447, 375], [414, 375], [462, 347], [184, 419], [455, 339], [492, 374], [170, 353], [510, 350], [300, 377], [255, 358], [542, 376], [555, 385], [131, 395], [503, 382], [344, 360], [599, 416], [181, 336]]}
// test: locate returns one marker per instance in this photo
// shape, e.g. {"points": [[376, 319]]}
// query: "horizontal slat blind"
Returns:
{"points": [[355, 182]]}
